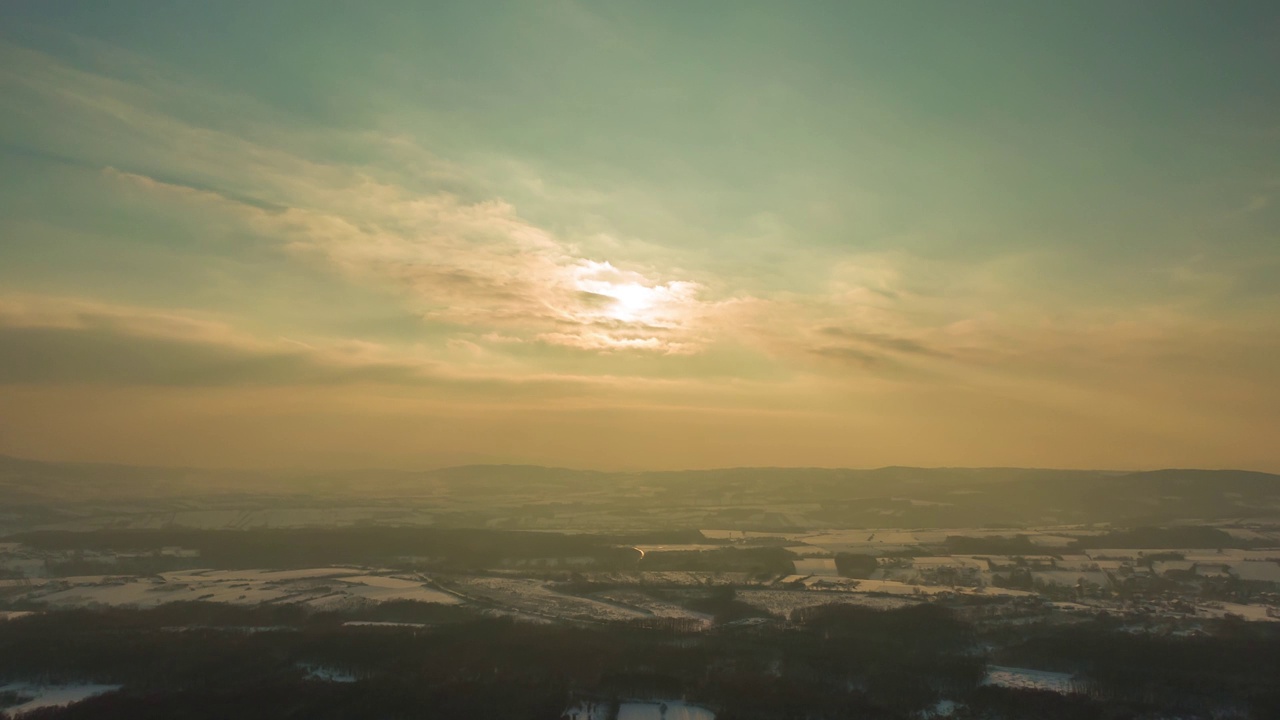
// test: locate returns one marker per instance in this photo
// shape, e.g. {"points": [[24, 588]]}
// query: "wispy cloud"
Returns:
{"points": [[883, 341], [475, 265], [508, 304], [55, 340], [72, 340]]}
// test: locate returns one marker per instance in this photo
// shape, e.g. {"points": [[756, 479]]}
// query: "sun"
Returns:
{"points": [[631, 298], [632, 302], [616, 309]]}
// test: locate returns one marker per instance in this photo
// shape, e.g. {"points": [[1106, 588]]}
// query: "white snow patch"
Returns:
{"points": [[782, 602], [328, 674], [44, 696], [380, 588], [240, 587], [941, 709], [379, 581], [1027, 679], [649, 710]]}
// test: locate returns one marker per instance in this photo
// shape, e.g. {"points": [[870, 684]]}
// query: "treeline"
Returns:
{"points": [[197, 660], [856, 565], [1017, 545], [1233, 666], [1172, 538], [759, 561], [1189, 536], [884, 664], [442, 548], [281, 699], [445, 549]]}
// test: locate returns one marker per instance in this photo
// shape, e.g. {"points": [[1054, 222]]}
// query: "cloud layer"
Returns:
{"points": [[735, 266]]}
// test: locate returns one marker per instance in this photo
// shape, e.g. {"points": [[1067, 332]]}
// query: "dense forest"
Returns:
{"points": [[451, 549], [199, 660], [440, 549]]}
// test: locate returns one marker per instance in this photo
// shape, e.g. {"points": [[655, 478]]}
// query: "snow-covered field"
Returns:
{"points": [[738, 535], [320, 587], [678, 548], [1069, 578], [328, 674], [1255, 613], [671, 578], [42, 696], [649, 710], [536, 597], [782, 602], [876, 540], [382, 588], [1026, 679], [893, 587], [902, 579], [1267, 535], [650, 605], [950, 561]]}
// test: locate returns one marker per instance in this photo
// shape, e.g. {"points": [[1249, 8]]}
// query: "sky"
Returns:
{"points": [[641, 235]]}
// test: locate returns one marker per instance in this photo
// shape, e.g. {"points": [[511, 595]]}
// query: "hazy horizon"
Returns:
{"points": [[327, 467], [629, 236]]}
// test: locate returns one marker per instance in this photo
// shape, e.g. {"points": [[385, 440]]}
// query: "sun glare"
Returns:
{"points": [[631, 301], [625, 309]]}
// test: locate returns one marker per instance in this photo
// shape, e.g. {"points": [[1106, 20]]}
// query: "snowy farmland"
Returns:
{"points": [[650, 605], [318, 587], [32, 578], [537, 598], [781, 603]]}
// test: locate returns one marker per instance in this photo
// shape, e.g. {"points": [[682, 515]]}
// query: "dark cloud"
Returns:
{"points": [[848, 355], [892, 343], [449, 283], [98, 355]]}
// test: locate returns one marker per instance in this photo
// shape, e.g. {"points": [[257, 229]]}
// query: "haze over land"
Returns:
{"points": [[512, 497], [640, 236], [738, 594]]}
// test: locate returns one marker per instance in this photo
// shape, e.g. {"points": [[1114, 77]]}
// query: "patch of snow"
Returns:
{"points": [[1027, 679], [45, 696], [941, 709], [535, 597], [328, 674], [648, 710], [1253, 613], [783, 602], [381, 589], [239, 587], [379, 581]]}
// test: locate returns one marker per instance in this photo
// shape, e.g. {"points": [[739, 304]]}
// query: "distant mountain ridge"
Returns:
{"points": [[764, 497]]}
